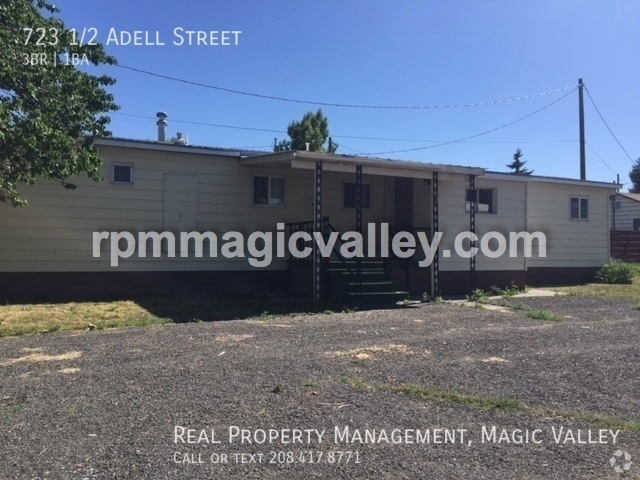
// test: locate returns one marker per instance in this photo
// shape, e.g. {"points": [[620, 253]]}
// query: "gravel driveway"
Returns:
{"points": [[427, 378]]}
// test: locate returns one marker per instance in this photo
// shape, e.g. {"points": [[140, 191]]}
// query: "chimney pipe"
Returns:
{"points": [[162, 125]]}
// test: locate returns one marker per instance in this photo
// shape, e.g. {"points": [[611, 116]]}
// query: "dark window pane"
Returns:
{"points": [[122, 173], [277, 191], [366, 196], [261, 190], [584, 208], [470, 195], [575, 208], [485, 201], [349, 195]]}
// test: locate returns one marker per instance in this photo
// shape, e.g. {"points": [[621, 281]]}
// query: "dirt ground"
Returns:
{"points": [[425, 391]]}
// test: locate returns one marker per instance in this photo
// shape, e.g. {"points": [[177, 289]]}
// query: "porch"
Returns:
{"points": [[363, 196]]}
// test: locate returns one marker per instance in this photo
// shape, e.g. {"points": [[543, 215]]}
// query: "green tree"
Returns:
{"points": [[314, 129], [518, 164], [634, 176], [49, 108]]}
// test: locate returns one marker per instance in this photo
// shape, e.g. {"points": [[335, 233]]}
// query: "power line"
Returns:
{"points": [[328, 104], [477, 134], [600, 158], [352, 137], [202, 123], [607, 125]]}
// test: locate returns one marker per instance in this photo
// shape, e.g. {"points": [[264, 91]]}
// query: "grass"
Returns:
{"points": [[609, 422], [441, 396], [51, 317], [627, 291], [545, 315], [604, 290], [482, 402], [7, 411], [46, 318]]}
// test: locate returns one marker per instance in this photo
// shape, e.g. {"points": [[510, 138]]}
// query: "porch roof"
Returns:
{"points": [[345, 163]]}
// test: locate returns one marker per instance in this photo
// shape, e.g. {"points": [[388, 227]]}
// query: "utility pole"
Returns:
{"points": [[583, 162]]}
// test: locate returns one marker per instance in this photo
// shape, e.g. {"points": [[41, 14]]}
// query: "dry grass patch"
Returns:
{"points": [[69, 370], [631, 292], [229, 338], [374, 351], [40, 357], [44, 318]]}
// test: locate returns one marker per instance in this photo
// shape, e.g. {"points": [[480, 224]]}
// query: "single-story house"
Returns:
{"points": [[48, 248], [625, 212]]}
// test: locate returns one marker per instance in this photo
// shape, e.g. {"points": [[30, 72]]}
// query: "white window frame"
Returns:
{"points": [[344, 198], [269, 178], [579, 217], [494, 201], [113, 173]]}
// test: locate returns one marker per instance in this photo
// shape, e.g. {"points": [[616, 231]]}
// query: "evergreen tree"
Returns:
{"points": [[634, 176], [518, 164]]}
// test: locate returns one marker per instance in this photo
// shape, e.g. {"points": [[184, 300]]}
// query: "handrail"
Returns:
{"points": [[336, 251]]}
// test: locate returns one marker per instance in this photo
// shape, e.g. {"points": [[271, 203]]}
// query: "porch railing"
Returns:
{"points": [[308, 226]]}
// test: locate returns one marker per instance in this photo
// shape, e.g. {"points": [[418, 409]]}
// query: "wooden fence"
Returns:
{"points": [[625, 244]]}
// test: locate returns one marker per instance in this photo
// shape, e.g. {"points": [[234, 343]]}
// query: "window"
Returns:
{"points": [[636, 223], [618, 205], [122, 174], [268, 191], [349, 196], [486, 200], [579, 208]]}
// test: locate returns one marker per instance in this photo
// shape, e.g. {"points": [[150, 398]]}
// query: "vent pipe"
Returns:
{"points": [[162, 125], [180, 140]]}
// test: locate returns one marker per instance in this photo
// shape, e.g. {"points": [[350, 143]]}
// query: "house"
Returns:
{"points": [[48, 249], [625, 226], [625, 213]]}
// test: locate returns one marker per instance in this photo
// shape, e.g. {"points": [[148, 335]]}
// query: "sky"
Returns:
{"points": [[397, 53]]}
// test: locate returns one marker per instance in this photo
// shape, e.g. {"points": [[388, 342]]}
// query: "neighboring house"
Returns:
{"points": [[625, 212], [46, 248]]}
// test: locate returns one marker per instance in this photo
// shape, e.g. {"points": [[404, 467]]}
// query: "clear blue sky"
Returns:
{"points": [[397, 52]]}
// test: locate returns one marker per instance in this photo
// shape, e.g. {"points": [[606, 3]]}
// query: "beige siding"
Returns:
{"points": [[628, 211], [570, 243], [510, 216], [54, 233]]}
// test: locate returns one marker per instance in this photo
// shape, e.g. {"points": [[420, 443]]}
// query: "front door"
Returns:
{"points": [[403, 203]]}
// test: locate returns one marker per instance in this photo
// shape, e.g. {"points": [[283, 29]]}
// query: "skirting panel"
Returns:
{"points": [[45, 286]]}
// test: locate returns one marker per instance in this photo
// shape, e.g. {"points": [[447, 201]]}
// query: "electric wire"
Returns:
{"points": [[344, 105], [351, 137], [600, 158], [607, 125], [477, 134]]}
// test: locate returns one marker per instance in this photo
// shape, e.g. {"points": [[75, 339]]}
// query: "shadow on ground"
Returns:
{"points": [[202, 308]]}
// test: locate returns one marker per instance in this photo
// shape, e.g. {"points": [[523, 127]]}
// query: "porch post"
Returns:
{"points": [[435, 227], [318, 227], [472, 229], [359, 226]]}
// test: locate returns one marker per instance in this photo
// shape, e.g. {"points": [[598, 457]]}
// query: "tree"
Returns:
{"points": [[634, 176], [314, 129], [49, 109], [518, 165]]}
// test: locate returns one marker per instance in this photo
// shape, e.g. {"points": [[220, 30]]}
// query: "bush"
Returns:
{"points": [[616, 272]]}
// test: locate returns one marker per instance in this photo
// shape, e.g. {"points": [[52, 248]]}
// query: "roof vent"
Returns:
{"points": [[180, 140], [162, 125]]}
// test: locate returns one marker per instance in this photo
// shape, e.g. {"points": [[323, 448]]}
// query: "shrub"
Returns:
{"points": [[615, 272]]}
